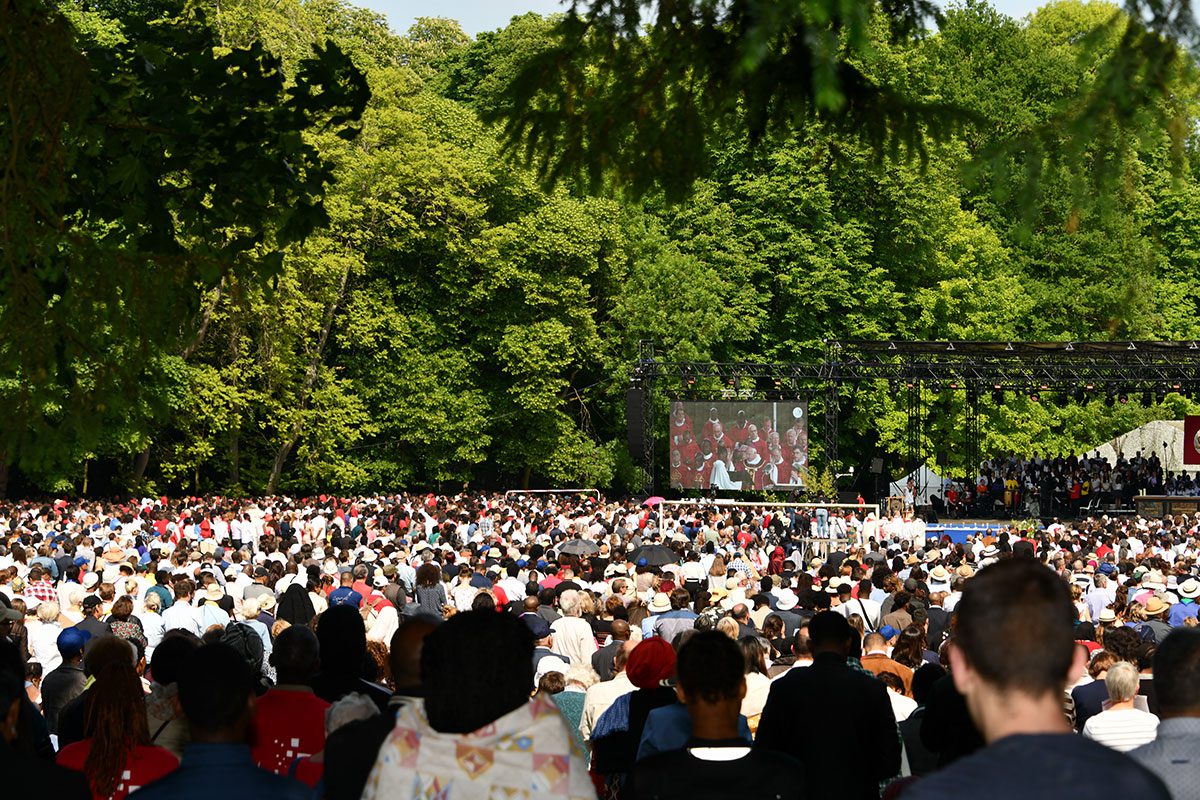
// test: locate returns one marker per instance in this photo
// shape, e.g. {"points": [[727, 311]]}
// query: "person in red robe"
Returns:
{"points": [[712, 425], [677, 470], [758, 443], [740, 429], [702, 469], [681, 427], [717, 438], [689, 448], [754, 464], [783, 471]]}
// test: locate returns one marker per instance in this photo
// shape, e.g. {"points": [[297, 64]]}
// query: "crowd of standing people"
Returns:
{"points": [[567, 646], [1044, 486]]}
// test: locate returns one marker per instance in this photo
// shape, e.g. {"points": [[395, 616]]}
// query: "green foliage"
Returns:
{"points": [[145, 166], [640, 94], [295, 255], [636, 92]]}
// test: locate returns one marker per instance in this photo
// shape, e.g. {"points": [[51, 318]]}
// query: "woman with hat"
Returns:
{"points": [[210, 612], [618, 732], [1188, 590]]}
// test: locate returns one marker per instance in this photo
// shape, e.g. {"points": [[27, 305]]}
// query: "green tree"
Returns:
{"points": [[144, 167]]}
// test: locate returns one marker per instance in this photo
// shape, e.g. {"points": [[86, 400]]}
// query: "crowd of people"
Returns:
{"points": [[1040, 486], [566, 646]]}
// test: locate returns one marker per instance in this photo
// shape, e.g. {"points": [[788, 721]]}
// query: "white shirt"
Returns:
{"points": [[43, 645], [902, 706], [154, 628], [599, 698], [574, 639], [1122, 729], [181, 615], [873, 611], [758, 686]]}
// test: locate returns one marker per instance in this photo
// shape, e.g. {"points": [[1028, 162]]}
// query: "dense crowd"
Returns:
{"points": [[553, 646], [1041, 486]]}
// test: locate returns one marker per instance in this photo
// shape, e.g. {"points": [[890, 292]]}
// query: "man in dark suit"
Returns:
{"points": [[602, 659], [862, 748], [350, 751]]}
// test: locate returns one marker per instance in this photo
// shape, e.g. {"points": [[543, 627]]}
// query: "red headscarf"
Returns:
{"points": [[776, 565]]}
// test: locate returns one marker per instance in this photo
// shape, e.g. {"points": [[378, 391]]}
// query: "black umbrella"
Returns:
{"points": [[655, 555], [580, 547]]}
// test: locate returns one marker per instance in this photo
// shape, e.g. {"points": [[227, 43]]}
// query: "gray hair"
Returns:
{"points": [[585, 676], [1122, 681], [568, 602], [47, 611]]}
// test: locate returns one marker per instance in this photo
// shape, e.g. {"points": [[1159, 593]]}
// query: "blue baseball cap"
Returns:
{"points": [[71, 641], [887, 632], [537, 626]]}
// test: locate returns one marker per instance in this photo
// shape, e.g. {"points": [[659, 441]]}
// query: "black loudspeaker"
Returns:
{"points": [[635, 422], [876, 465], [943, 459]]}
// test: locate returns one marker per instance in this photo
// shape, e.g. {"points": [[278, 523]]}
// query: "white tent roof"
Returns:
{"points": [[1147, 439], [927, 481]]}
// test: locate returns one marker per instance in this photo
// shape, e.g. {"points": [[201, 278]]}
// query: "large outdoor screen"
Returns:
{"points": [[738, 445]]}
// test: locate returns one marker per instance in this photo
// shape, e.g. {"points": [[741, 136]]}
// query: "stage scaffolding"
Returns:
{"points": [[1117, 371]]}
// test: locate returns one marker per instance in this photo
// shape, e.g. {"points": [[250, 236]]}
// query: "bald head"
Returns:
{"points": [[405, 654], [620, 630], [874, 641]]}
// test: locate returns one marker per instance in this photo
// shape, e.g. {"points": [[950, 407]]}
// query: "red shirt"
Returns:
{"points": [[144, 765], [288, 724], [309, 772]]}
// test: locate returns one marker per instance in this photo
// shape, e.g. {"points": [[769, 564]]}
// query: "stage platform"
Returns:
{"points": [[959, 529]]}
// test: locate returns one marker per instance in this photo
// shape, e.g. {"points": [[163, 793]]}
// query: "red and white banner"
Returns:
{"points": [[1191, 440]]}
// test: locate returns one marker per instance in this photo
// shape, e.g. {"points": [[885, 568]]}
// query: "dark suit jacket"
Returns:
{"points": [[602, 660], [947, 728], [939, 623], [1089, 700], [791, 622], [838, 723], [31, 777]]}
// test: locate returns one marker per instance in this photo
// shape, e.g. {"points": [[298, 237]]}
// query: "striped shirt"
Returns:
{"points": [[1122, 729]]}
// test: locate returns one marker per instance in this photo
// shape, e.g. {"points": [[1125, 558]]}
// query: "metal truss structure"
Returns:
{"points": [[1071, 369]]}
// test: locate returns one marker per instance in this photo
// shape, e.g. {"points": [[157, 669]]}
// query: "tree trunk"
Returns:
{"points": [[205, 318], [310, 378], [83, 491], [140, 462], [235, 471]]}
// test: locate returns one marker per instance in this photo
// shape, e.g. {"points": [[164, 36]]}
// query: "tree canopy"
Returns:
{"points": [[277, 247]]}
